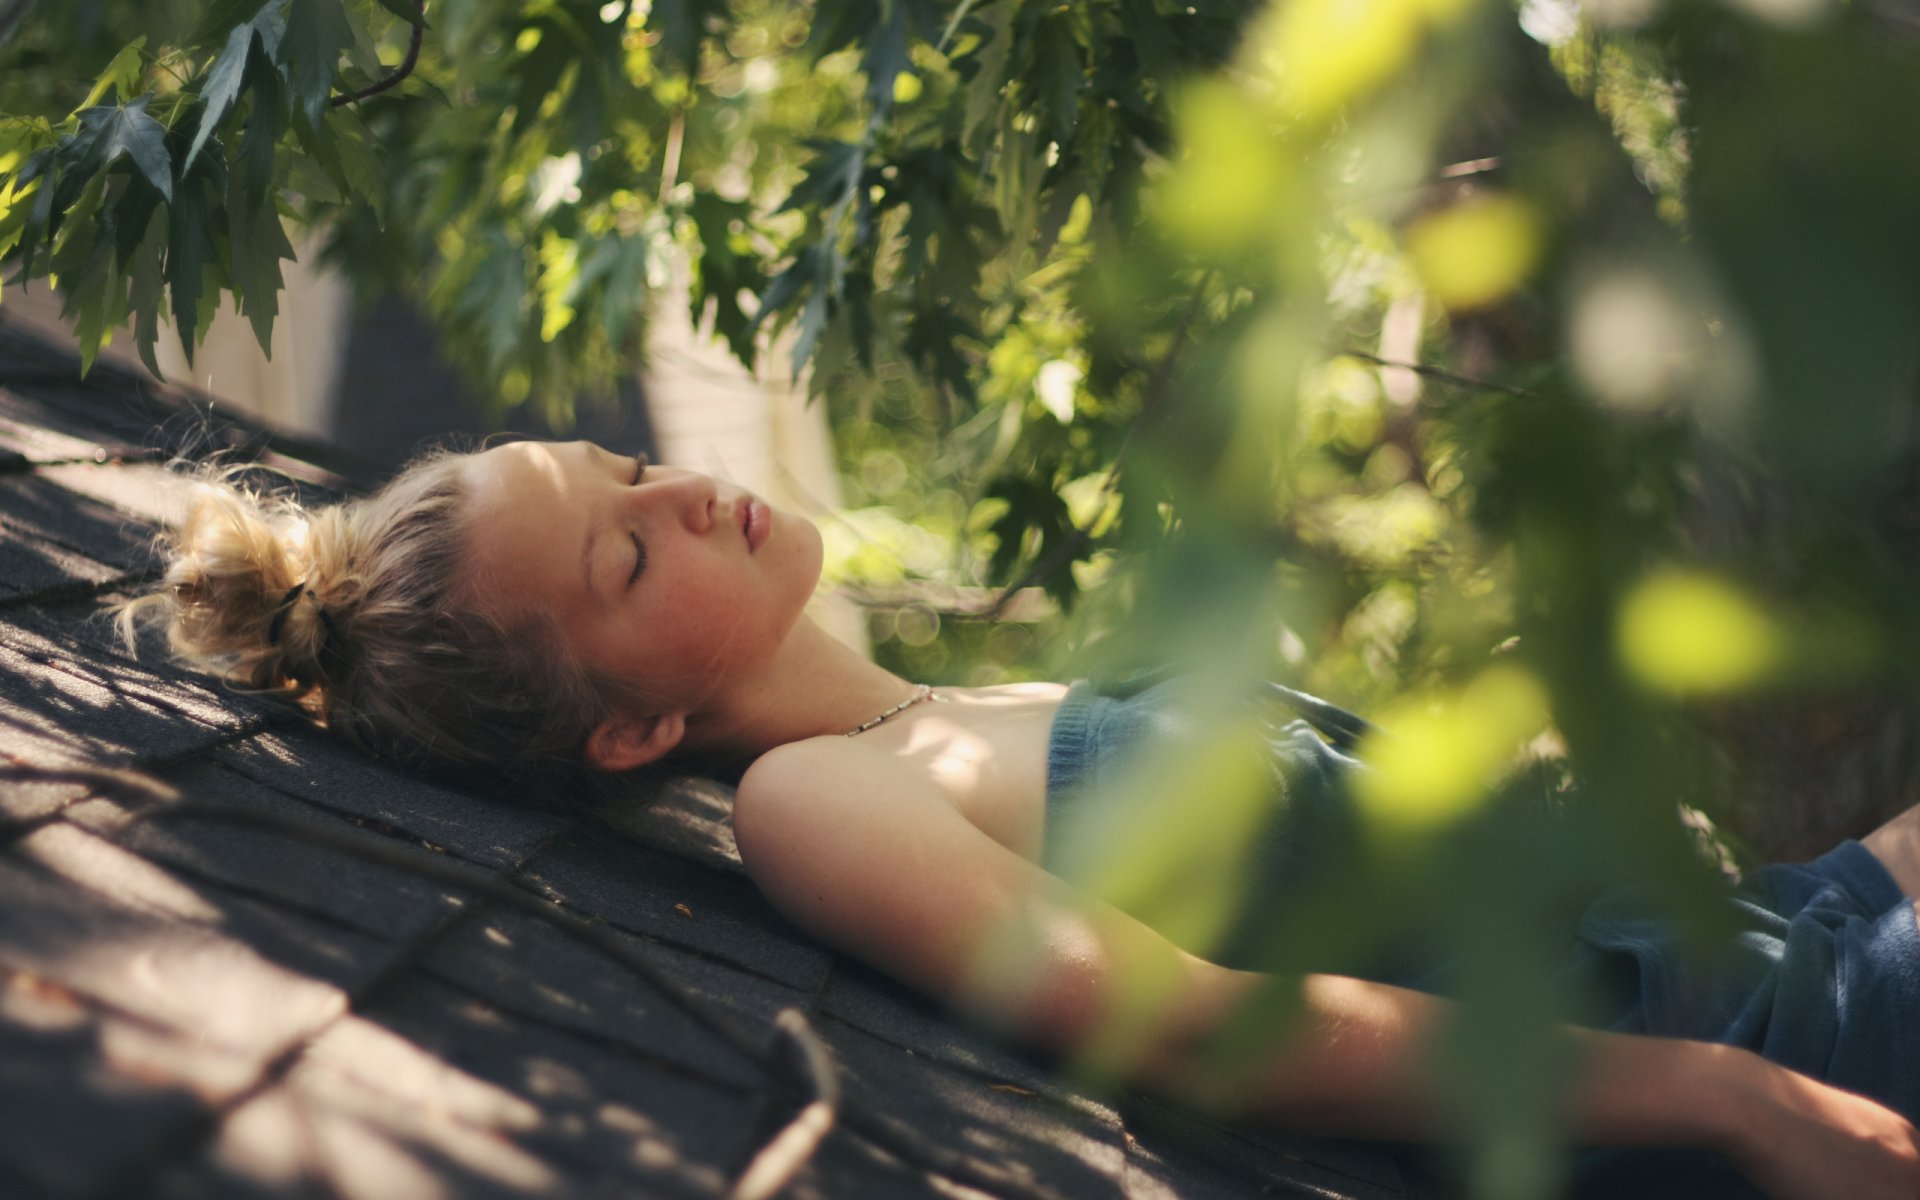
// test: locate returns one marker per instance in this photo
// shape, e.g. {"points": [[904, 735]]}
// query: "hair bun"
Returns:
{"points": [[245, 588]]}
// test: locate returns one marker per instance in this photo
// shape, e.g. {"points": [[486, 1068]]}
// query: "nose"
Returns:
{"points": [[694, 499]]}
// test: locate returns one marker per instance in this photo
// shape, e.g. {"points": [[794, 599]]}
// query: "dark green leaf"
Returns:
{"points": [[359, 160], [539, 73], [986, 89], [886, 58], [1148, 35], [221, 87], [73, 244], [129, 217], [126, 129], [145, 279], [317, 34], [726, 266], [38, 225], [838, 24], [258, 243], [221, 17], [830, 179], [189, 249], [94, 300], [682, 25], [811, 324], [785, 286], [1060, 76], [266, 121]]}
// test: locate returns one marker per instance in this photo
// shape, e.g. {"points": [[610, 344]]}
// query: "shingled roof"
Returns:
{"points": [[199, 1008]]}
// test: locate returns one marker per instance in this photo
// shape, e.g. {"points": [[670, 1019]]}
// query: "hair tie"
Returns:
{"points": [[280, 611]]}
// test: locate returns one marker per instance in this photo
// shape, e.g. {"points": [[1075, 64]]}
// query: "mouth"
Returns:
{"points": [[756, 522]]}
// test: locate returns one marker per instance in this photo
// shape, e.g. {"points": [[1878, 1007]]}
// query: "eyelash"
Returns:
{"points": [[639, 547]]}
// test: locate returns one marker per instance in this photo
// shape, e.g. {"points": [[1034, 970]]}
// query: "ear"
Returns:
{"points": [[623, 741]]}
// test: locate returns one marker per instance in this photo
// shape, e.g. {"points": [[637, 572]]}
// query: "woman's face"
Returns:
{"points": [[670, 580]]}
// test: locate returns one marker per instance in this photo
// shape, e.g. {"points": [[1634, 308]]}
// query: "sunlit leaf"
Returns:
{"points": [[1691, 633], [1437, 758], [1477, 251], [122, 74], [1231, 185], [1323, 55]]}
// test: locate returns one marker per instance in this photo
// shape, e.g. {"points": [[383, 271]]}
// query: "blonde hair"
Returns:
{"points": [[361, 613]]}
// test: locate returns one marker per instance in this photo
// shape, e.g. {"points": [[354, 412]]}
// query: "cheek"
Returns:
{"points": [[808, 551]]}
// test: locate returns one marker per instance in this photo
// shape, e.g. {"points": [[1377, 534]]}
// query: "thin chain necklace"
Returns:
{"points": [[920, 692]]}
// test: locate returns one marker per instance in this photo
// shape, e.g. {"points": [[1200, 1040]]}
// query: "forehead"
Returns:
{"points": [[528, 516]]}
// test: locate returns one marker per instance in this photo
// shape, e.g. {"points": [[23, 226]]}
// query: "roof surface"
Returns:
{"points": [[196, 1008]]}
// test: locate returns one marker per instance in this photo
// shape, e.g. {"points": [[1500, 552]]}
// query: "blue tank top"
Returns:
{"points": [[1305, 833]]}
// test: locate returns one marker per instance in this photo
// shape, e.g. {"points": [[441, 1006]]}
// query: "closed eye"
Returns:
{"points": [[640, 465]]}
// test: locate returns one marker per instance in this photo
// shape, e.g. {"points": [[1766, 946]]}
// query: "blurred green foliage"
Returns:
{"points": [[1539, 379]]}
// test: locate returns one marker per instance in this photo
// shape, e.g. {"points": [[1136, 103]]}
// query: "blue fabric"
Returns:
{"points": [[1822, 975]]}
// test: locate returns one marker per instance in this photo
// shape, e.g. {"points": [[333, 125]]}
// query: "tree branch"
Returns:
{"points": [[386, 82], [1464, 381]]}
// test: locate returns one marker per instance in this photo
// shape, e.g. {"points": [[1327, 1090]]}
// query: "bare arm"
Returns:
{"points": [[870, 861]]}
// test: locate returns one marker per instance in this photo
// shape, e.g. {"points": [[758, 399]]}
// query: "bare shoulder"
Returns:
{"points": [[799, 805], [792, 782], [871, 856]]}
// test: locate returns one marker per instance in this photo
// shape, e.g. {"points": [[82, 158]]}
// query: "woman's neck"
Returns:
{"points": [[813, 685]]}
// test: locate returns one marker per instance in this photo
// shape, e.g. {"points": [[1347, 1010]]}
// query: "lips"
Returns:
{"points": [[756, 521]]}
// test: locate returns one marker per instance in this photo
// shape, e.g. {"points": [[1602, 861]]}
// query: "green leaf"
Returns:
{"points": [[127, 130], [15, 210], [95, 302], [726, 266], [122, 74], [221, 87], [886, 58], [42, 170], [785, 286], [986, 89], [1148, 35], [189, 249], [317, 35], [407, 11], [145, 278], [260, 144], [830, 179], [73, 244], [128, 219], [360, 167], [682, 25], [1059, 77], [257, 243], [222, 15]]}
